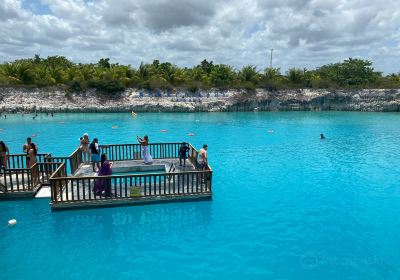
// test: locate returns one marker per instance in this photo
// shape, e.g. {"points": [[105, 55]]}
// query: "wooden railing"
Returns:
{"points": [[75, 189], [57, 186], [118, 152], [17, 180], [17, 161], [193, 154], [46, 169], [72, 162], [18, 177], [75, 160], [27, 179], [66, 188]]}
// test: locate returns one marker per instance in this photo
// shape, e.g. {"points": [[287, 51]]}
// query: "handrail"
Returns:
{"points": [[152, 143], [74, 159], [20, 160], [23, 154], [62, 166], [49, 158], [57, 187], [17, 169]]}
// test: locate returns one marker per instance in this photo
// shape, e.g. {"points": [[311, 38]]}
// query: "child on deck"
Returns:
{"points": [[183, 151]]}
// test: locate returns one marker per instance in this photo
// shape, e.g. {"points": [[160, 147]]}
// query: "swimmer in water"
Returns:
{"points": [[322, 136]]}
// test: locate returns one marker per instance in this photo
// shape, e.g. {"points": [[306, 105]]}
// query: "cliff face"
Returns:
{"points": [[30, 100]]}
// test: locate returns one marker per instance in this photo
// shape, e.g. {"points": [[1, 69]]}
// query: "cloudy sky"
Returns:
{"points": [[303, 33]]}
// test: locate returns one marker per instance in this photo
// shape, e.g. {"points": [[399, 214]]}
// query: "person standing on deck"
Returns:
{"points": [[28, 146], [4, 152], [85, 147], [95, 151], [144, 142], [183, 151], [103, 186], [32, 156], [203, 157]]}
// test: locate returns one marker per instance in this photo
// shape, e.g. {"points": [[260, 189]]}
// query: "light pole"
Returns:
{"points": [[270, 62]]}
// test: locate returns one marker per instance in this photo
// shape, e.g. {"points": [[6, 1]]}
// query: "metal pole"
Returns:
{"points": [[270, 63]]}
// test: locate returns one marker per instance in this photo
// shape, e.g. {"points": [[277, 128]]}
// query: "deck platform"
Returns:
{"points": [[170, 182], [13, 187], [19, 181], [72, 182]]}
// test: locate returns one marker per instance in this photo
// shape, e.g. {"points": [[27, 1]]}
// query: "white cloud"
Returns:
{"points": [[303, 33]]}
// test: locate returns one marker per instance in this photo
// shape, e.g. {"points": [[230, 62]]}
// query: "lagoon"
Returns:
{"points": [[286, 204]]}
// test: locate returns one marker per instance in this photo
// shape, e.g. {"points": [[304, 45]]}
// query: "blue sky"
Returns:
{"points": [[36, 7], [303, 33]]}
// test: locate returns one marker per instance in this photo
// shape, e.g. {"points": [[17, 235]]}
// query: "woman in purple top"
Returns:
{"points": [[103, 186]]}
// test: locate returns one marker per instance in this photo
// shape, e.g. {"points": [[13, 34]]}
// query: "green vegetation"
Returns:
{"points": [[112, 78]]}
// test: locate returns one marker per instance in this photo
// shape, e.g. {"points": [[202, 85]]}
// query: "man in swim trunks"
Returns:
{"points": [[203, 158], [95, 154]]}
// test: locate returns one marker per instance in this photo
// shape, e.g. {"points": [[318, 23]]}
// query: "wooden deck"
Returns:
{"points": [[23, 182], [164, 181], [19, 183], [132, 181]]}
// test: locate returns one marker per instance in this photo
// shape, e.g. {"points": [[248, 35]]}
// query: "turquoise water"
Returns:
{"points": [[286, 204]]}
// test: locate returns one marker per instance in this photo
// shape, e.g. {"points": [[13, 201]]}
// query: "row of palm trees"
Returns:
{"points": [[110, 78]]}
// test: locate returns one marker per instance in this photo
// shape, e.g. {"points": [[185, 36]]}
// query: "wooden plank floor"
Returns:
{"points": [[86, 169]]}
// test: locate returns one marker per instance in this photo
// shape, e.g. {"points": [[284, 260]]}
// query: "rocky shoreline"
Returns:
{"points": [[59, 100]]}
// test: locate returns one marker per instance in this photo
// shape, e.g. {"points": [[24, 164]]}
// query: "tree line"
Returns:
{"points": [[112, 78]]}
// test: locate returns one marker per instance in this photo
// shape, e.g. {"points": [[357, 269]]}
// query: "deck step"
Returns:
{"points": [[44, 192]]}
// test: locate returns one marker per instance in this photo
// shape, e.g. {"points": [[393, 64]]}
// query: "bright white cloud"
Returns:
{"points": [[303, 33]]}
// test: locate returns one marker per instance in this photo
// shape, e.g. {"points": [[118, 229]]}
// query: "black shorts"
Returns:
{"points": [[202, 165]]}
